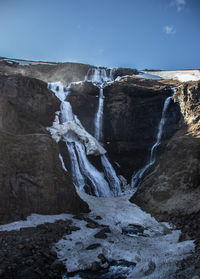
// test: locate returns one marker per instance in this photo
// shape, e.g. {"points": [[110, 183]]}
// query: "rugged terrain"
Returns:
{"points": [[172, 191], [31, 177]]}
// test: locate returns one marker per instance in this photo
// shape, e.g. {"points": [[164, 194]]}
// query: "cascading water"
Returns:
{"points": [[83, 172], [100, 79], [137, 177]]}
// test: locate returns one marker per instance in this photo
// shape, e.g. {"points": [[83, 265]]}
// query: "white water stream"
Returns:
{"points": [[137, 177], [79, 142]]}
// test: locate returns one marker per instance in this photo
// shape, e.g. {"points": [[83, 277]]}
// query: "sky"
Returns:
{"points": [[153, 34]]}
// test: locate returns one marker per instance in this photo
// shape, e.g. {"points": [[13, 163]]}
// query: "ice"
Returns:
{"points": [[33, 221], [160, 246], [62, 162], [148, 76]]}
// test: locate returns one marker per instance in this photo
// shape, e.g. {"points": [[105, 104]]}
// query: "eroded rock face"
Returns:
{"points": [[172, 190], [50, 72], [132, 111], [31, 174], [84, 101]]}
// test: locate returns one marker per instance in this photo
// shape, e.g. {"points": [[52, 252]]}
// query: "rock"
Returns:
{"points": [[133, 230], [92, 225], [151, 268], [84, 101], [123, 72], [58, 265], [102, 258], [95, 266], [31, 175], [93, 246], [171, 192], [74, 228], [132, 111], [49, 72], [2, 272], [98, 218], [100, 235]]}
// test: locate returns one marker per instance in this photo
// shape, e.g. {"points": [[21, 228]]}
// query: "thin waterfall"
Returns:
{"points": [[100, 79], [99, 117], [111, 175], [100, 185], [77, 176], [137, 177]]}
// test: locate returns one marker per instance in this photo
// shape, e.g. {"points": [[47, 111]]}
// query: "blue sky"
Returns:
{"points": [[154, 34]]}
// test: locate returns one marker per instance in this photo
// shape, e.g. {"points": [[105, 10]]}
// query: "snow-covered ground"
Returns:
{"points": [[148, 76], [159, 244], [184, 75]]}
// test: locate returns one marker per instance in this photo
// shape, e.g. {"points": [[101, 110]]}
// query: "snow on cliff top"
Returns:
{"points": [[183, 75]]}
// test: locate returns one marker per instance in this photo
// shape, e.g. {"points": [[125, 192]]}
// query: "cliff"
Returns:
{"points": [[32, 179], [172, 191]]}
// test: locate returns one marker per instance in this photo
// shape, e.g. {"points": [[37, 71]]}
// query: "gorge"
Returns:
{"points": [[94, 144]]}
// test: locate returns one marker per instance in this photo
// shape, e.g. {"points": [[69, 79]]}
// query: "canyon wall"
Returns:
{"points": [[32, 179], [171, 191]]}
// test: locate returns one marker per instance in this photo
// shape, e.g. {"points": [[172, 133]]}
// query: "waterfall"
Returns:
{"points": [[77, 140], [100, 79], [77, 176], [111, 175], [99, 117], [137, 177]]}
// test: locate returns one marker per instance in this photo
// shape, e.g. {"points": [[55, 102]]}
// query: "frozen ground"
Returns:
{"points": [[158, 245], [184, 75]]}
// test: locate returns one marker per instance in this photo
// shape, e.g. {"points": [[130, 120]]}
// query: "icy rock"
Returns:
{"points": [[58, 131]]}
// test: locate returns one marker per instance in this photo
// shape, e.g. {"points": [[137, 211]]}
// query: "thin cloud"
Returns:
{"points": [[179, 4], [169, 30]]}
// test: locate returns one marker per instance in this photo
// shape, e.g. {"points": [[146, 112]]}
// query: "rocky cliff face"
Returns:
{"points": [[49, 72], [133, 109], [31, 176], [172, 190], [84, 101]]}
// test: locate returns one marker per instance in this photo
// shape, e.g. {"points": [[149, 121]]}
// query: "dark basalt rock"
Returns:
{"points": [[93, 246], [172, 191], [117, 269], [32, 179], [123, 72], [28, 253], [132, 111], [84, 101], [133, 230], [50, 72]]}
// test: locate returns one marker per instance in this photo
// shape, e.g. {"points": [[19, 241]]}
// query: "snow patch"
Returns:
{"points": [[159, 245], [33, 221], [64, 130], [182, 76]]}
